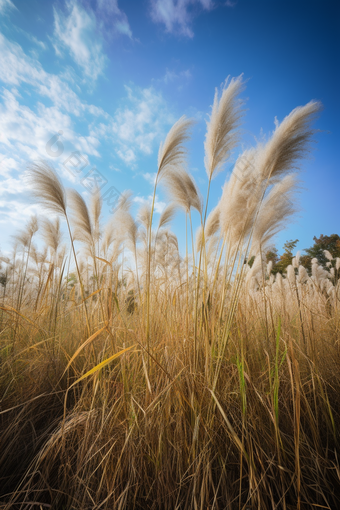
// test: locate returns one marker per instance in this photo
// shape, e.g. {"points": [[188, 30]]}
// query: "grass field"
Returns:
{"points": [[136, 378]]}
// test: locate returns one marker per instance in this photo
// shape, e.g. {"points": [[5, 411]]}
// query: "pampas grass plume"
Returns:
{"points": [[172, 152], [47, 188], [222, 135]]}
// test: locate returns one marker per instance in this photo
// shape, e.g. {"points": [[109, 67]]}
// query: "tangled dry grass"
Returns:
{"points": [[135, 378]]}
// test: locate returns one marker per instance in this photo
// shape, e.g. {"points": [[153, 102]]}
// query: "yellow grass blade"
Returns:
{"points": [[49, 276], [9, 309], [102, 364], [35, 345], [103, 260], [83, 345], [88, 297]]}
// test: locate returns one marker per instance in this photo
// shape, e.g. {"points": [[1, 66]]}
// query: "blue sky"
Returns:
{"points": [[113, 76]]}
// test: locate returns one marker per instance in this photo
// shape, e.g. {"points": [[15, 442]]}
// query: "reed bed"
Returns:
{"points": [[133, 377]]}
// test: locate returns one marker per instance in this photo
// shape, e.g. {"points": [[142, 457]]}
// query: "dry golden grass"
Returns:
{"points": [[157, 382]]}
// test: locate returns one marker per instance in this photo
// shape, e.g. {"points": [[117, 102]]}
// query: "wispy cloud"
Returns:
{"points": [[16, 67], [151, 178], [40, 44], [80, 30], [25, 128], [35, 105], [6, 5], [24, 133], [172, 76], [7, 165], [159, 205], [75, 32], [138, 124], [177, 15], [113, 18]]}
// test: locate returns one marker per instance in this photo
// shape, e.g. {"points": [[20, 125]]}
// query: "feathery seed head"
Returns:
{"points": [[303, 275], [291, 274], [96, 208], [276, 210], [182, 189], [144, 215], [199, 239], [172, 152], [52, 233], [289, 142], [239, 199], [328, 255], [298, 256], [33, 226], [81, 217], [296, 260], [222, 135], [213, 222], [167, 215], [47, 188]]}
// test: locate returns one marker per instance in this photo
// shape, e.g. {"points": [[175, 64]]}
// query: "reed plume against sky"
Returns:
{"points": [[109, 79]]}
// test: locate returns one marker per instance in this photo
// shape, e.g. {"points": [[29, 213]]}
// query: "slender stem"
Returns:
{"points": [[198, 273], [187, 269], [149, 273], [80, 280]]}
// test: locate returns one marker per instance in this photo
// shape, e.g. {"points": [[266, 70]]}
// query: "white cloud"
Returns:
{"points": [[12, 186], [7, 165], [40, 44], [177, 15], [16, 68], [76, 32], [127, 155], [135, 129], [114, 168], [13, 212], [113, 18], [151, 178], [27, 129], [137, 126], [6, 5], [171, 76], [159, 206], [24, 134]]}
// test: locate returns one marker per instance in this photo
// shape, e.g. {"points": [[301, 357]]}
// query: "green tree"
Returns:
{"points": [[250, 261], [3, 279], [330, 243], [273, 256], [286, 258]]}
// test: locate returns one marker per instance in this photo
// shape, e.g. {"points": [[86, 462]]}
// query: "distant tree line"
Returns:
{"points": [[281, 262]]}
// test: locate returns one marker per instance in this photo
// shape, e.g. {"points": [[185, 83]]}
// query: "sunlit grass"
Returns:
{"points": [[134, 378]]}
